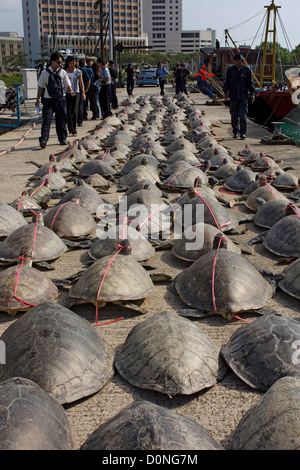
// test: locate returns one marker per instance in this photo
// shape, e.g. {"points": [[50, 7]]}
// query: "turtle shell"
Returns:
{"points": [[291, 280], [176, 167], [286, 181], [263, 162], [31, 419], [223, 282], [60, 351], [185, 178], [139, 173], [214, 213], [225, 170], [270, 212], [239, 180], [283, 238], [107, 158], [90, 146], [10, 219], [143, 425], [144, 184], [171, 355], [70, 220], [261, 352], [106, 245], [266, 192], [23, 287], [47, 246], [136, 160], [55, 181], [25, 202], [97, 166], [180, 144], [200, 236], [125, 279], [273, 423], [85, 195], [184, 155]]}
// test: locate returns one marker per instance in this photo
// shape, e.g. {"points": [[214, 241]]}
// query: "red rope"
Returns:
{"points": [[211, 212], [59, 209], [188, 168]]}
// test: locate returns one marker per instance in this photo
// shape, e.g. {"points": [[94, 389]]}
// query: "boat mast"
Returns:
{"points": [[263, 75]]}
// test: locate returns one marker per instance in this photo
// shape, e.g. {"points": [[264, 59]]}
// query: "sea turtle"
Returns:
{"points": [[60, 351], [85, 195], [23, 287], [273, 422], [264, 350], [283, 238], [239, 180], [263, 162], [143, 184], [137, 160], [91, 146], [143, 425], [98, 182], [171, 355], [225, 170], [286, 181], [31, 419], [100, 167], [270, 212], [110, 241], [180, 144], [70, 220], [25, 203], [290, 283], [10, 219], [107, 158], [140, 172], [185, 155], [184, 179], [65, 167], [198, 240], [54, 180], [114, 278], [46, 245], [266, 192], [222, 282]]}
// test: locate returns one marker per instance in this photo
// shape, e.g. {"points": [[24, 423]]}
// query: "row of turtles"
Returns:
{"points": [[55, 357]]}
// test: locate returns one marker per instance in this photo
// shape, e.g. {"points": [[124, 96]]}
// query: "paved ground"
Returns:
{"points": [[218, 409]]}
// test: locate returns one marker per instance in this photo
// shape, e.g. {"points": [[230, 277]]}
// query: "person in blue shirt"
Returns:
{"points": [[90, 102], [238, 83], [104, 94], [161, 74]]}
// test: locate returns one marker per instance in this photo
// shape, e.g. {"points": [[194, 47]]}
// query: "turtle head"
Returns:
{"points": [[144, 161], [126, 249], [198, 182], [219, 241], [26, 255], [290, 209]]}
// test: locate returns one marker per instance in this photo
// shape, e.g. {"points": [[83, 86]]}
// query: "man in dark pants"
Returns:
{"points": [[90, 94], [51, 105], [113, 86], [104, 95], [238, 83], [130, 79], [177, 75]]}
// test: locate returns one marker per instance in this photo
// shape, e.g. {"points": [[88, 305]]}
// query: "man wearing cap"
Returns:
{"points": [[238, 83]]}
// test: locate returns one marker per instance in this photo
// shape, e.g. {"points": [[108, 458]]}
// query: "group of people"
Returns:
{"points": [[77, 86]]}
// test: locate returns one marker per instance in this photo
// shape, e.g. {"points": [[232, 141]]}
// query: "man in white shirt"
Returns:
{"points": [[104, 95], [54, 105]]}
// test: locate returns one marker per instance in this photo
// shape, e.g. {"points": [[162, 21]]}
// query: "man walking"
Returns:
{"points": [[52, 81], [130, 79], [113, 87], [238, 83], [104, 94], [161, 74]]}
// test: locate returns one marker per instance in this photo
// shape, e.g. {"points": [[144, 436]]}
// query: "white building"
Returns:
{"points": [[162, 21]]}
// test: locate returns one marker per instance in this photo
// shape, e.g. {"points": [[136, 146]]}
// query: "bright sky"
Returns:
{"points": [[203, 14]]}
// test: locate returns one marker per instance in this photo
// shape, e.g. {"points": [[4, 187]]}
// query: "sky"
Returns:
{"points": [[245, 25]]}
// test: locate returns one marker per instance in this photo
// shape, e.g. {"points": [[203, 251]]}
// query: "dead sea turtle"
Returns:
{"points": [[273, 422], [70, 220], [143, 425], [283, 238], [290, 283], [197, 241], [223, 282], [270, 212], [23, 287], [171, 355], [286, 181], [60, 351], [266, 192], [262, 351], [46, 245], [85, 195], [10, 219], [31, 419], [113, 279], [239, 180], [97, 166]]}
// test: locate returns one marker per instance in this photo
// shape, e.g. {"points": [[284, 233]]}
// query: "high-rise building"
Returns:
{"points": [[162, 20], [73, 24]]}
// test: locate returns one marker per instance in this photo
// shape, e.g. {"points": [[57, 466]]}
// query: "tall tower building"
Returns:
{"points": [[162, 20], [73, 24]]}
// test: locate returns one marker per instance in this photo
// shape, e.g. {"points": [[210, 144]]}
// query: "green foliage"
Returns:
{"points": [[17, 60], [10, 78]]}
